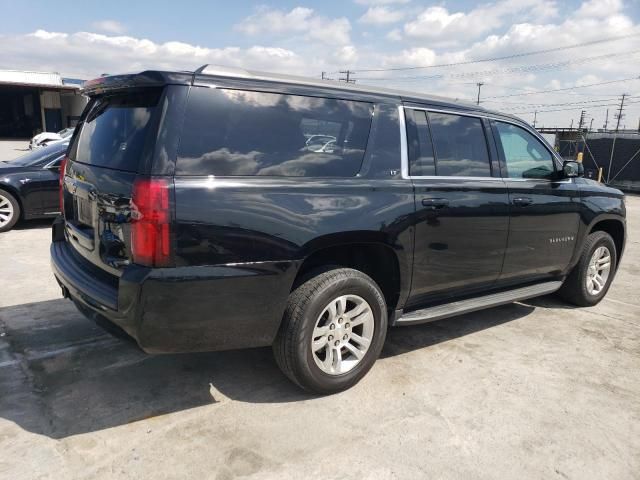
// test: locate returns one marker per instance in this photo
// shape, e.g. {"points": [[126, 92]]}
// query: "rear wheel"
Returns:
{"points": [[590, 279], [9, 211], [332, 332]]}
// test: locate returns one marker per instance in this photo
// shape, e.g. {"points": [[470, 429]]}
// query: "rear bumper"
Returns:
{"points": [[183, 309]]}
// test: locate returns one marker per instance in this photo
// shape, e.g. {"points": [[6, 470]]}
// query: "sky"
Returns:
{"points": [[417, 40]]}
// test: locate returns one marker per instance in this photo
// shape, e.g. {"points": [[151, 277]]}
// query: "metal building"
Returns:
{"points": [[33, 102]]}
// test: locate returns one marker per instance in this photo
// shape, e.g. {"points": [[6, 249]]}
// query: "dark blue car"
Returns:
{"points": [[29, 185]]}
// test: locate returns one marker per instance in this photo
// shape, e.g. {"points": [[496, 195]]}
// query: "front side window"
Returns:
{"points": [[525, 156], [236, 133], [460, 145]]}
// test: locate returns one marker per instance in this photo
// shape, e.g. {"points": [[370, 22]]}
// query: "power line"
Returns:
{"points": [[565, 89], [582, 103], [495, 59], [507, 71], [572, 109]]}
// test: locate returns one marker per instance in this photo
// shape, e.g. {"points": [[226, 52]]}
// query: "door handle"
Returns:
{"points": [[435, 203], [522, 201]]}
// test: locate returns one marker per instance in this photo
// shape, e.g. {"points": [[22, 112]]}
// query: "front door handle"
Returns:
{"points": [[435, 203], [522, 201]]}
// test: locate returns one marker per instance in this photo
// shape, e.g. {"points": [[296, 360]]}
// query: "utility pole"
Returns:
{"points": [[325, 77], [479, 84], [347, 76], [535, 116], [619, 115], [606, 120], [571, 126], [591, 124], [581, 122]]}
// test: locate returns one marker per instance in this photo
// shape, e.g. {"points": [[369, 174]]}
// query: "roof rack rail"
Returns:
{"points": [[223, 71]]}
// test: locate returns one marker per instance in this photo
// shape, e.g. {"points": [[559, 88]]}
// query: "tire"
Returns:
{"points": [[9, 211], [309, 311], [576, 288]]}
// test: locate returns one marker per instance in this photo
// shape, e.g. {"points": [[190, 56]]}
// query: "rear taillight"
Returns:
{"points": [[63, 170], [150, 222]]}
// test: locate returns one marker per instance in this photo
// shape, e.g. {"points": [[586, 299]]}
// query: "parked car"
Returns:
{"points": [[316, 143], [29, 185], [195, 217], [46, 138]]}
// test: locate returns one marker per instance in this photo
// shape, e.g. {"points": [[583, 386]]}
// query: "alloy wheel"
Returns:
{"points": [[342, 334], [598, 271], [6, 210]]}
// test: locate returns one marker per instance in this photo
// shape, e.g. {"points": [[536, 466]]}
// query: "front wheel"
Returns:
{"points": [[332, 331], [591, 278]]}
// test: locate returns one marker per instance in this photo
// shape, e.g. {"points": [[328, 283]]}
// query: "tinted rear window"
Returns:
{"points": [[232, 132], [460, 145], [118, 129]]}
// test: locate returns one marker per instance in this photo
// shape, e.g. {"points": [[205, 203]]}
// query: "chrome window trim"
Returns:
{"points": [[404, 154], [48, 164]]}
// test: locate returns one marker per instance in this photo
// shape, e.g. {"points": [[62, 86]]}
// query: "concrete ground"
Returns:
{"points": [[530, 390], [10, 149]]}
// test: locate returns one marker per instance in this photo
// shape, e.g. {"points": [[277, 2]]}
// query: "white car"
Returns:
{"points": [[45, 138]]}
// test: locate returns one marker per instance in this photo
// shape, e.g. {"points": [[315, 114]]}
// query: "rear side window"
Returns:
{"points": [[118, 129], [233, 133], [422, 162], [460, 145]]}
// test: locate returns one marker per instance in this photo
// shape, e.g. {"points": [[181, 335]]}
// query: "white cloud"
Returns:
{"points": [[599, 8], [109, 26], [381, 15], [381, 2], [439, 24], [299, 20], [347, 55], [415, 57], [87, 55]]}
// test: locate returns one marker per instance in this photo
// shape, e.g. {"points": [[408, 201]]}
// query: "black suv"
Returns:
{"points": [[222, 209]]}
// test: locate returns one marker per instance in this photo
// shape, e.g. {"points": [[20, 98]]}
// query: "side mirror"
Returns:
{"points": [[572, 169]]}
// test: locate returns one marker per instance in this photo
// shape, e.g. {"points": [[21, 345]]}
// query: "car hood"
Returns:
{"points": [[8, 168]]}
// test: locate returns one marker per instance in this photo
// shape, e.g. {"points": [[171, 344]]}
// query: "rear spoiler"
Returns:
{"points": [[150, 78]]}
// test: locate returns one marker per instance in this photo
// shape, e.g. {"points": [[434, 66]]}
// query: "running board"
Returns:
{"points": [[439, 312]]}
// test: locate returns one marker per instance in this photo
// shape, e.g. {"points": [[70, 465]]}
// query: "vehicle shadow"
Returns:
{"points": [[61, 375], [549, 301], [406, 339], [33, 224]]}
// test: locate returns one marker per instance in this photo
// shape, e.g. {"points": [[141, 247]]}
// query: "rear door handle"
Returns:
{"points": [[522, 201], [435, 203]]}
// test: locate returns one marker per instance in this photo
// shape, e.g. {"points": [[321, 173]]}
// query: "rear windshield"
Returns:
{"points": [[118, 129], [233, 132]]}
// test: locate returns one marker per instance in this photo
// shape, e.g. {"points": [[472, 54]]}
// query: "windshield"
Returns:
{"points": [[40, 156]]}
